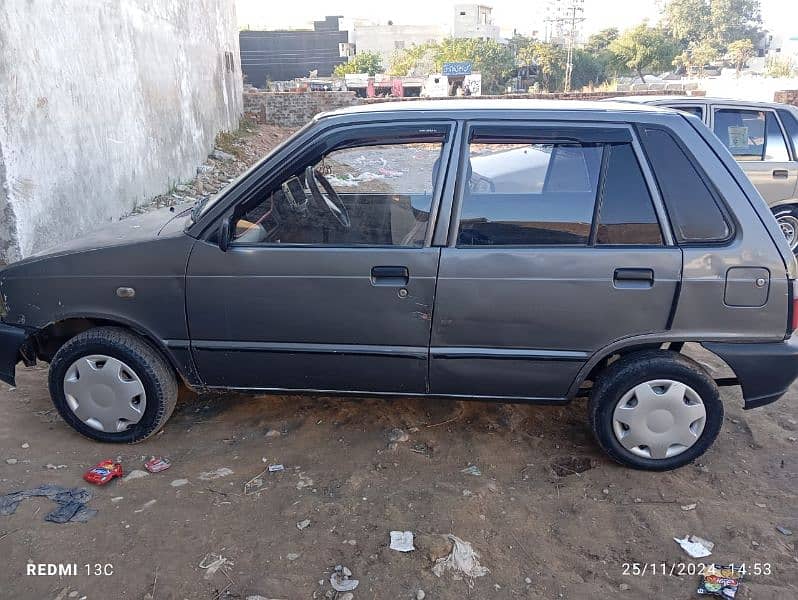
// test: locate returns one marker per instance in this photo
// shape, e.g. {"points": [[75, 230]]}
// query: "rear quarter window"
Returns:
{"points": [[693, 207]]}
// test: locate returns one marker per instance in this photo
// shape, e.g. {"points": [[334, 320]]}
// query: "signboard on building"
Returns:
{"points": [[457, 69]]}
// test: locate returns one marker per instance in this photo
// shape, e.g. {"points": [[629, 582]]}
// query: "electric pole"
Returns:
{"points": [[567, 17]]}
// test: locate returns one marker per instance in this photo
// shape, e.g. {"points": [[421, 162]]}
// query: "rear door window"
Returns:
{"points": [[627, 214], [751, 135], [693, 207], [529, 193], [523, 191]]}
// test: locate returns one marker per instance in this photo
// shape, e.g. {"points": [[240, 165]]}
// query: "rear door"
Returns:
{"points": [[756, 139], [555, 251]]}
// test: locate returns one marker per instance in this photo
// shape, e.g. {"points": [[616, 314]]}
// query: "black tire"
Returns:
{"points": [[155, 373], [639, 367], [791, 213]]}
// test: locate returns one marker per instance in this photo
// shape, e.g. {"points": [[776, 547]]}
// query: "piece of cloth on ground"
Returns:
{"points": [[71, 502]]}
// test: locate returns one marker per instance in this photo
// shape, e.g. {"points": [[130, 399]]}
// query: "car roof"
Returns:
{"points": [[487, 106], [683, 100]]}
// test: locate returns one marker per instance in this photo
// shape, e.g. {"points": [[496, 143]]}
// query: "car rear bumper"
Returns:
{"points": [[765, 371], [11, 341]]}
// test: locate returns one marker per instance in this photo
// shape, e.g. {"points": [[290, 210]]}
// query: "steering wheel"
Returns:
{"points": [[331, 201]]}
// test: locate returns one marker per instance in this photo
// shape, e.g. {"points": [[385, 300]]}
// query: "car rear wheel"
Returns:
{"points": [[655, 410], [112, 386], [787, 218]]}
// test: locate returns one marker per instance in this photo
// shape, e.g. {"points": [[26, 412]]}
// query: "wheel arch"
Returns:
{"points": [[609, 354], [50, 338], [787, 203]]}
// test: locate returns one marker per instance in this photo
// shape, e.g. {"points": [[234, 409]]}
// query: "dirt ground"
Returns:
{"points": [[540, 534]]}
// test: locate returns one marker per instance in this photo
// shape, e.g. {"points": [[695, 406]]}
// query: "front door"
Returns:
{"points": [[556, 252], [328, 283], [756, 139]]}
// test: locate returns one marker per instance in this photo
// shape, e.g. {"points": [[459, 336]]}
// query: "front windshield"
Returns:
{"points": [[202, 207]]}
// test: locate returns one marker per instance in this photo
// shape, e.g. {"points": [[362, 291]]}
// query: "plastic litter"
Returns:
{"points": [[218, 473], [71, 502], [720, 580], [156, 464], [341, 580], [303, 524], [135, 474], [397, 435], [471, 470], [783, 530], [462, 560], [402, 541], [276, 468], [214, 565], [695, 546], [103, 472]]}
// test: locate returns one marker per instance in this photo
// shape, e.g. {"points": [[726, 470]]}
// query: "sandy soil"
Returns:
{"points": [[540, 534]]}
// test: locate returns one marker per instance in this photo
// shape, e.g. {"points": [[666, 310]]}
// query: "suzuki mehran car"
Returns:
{"points": [[518, 251]]}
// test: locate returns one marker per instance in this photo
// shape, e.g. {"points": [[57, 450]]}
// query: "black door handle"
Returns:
{"points": [[390, 276], [780, 174], [634, 278]]}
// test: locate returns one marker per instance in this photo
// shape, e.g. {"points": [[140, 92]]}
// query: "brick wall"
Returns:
{"points": [[786, 97], [293, 109]]}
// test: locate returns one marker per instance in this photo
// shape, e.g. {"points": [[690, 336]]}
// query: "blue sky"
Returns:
{"points": [[525, 15]]}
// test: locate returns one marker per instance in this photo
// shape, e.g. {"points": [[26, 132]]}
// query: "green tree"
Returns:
{"points": [[688, 21], [600, 42], [550, 61], [643, 48], [719, 22], [739, 51], [363, 62], [733, 20], [701, 55], [416, 58], [494, 61]]}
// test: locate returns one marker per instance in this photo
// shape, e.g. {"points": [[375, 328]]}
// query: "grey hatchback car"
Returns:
{"points": [[517, 251]]}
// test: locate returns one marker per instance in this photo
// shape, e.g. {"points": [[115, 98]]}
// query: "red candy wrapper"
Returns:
{"points": [[720, 580], [157, 464], [103, 472]]}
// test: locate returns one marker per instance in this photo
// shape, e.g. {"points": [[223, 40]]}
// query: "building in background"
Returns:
{"points": [[282, 55], [104, 105], [387, 39], [474, 21]]}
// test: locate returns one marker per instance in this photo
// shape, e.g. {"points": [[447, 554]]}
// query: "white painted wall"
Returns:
{"points": [[383, 39], [104, 104]]}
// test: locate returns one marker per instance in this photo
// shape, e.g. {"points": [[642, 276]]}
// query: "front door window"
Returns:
{"points": [[360, 194]]}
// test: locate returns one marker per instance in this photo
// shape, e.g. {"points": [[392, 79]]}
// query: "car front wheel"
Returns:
{"points": [[112, 386], [655, 410]]}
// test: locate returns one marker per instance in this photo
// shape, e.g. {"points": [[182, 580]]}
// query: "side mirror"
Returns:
{"points": [[225, 234]]}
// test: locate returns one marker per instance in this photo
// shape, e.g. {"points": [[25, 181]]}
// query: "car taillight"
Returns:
{"points": [[793, 306]]}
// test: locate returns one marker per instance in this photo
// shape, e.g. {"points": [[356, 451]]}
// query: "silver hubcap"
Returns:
{"points": [[789, 227], [104, 393], [659, 419]]}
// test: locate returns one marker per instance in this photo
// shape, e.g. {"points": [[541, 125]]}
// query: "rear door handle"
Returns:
{"points": [[387, 275], [780, 174], [633, 278]]}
